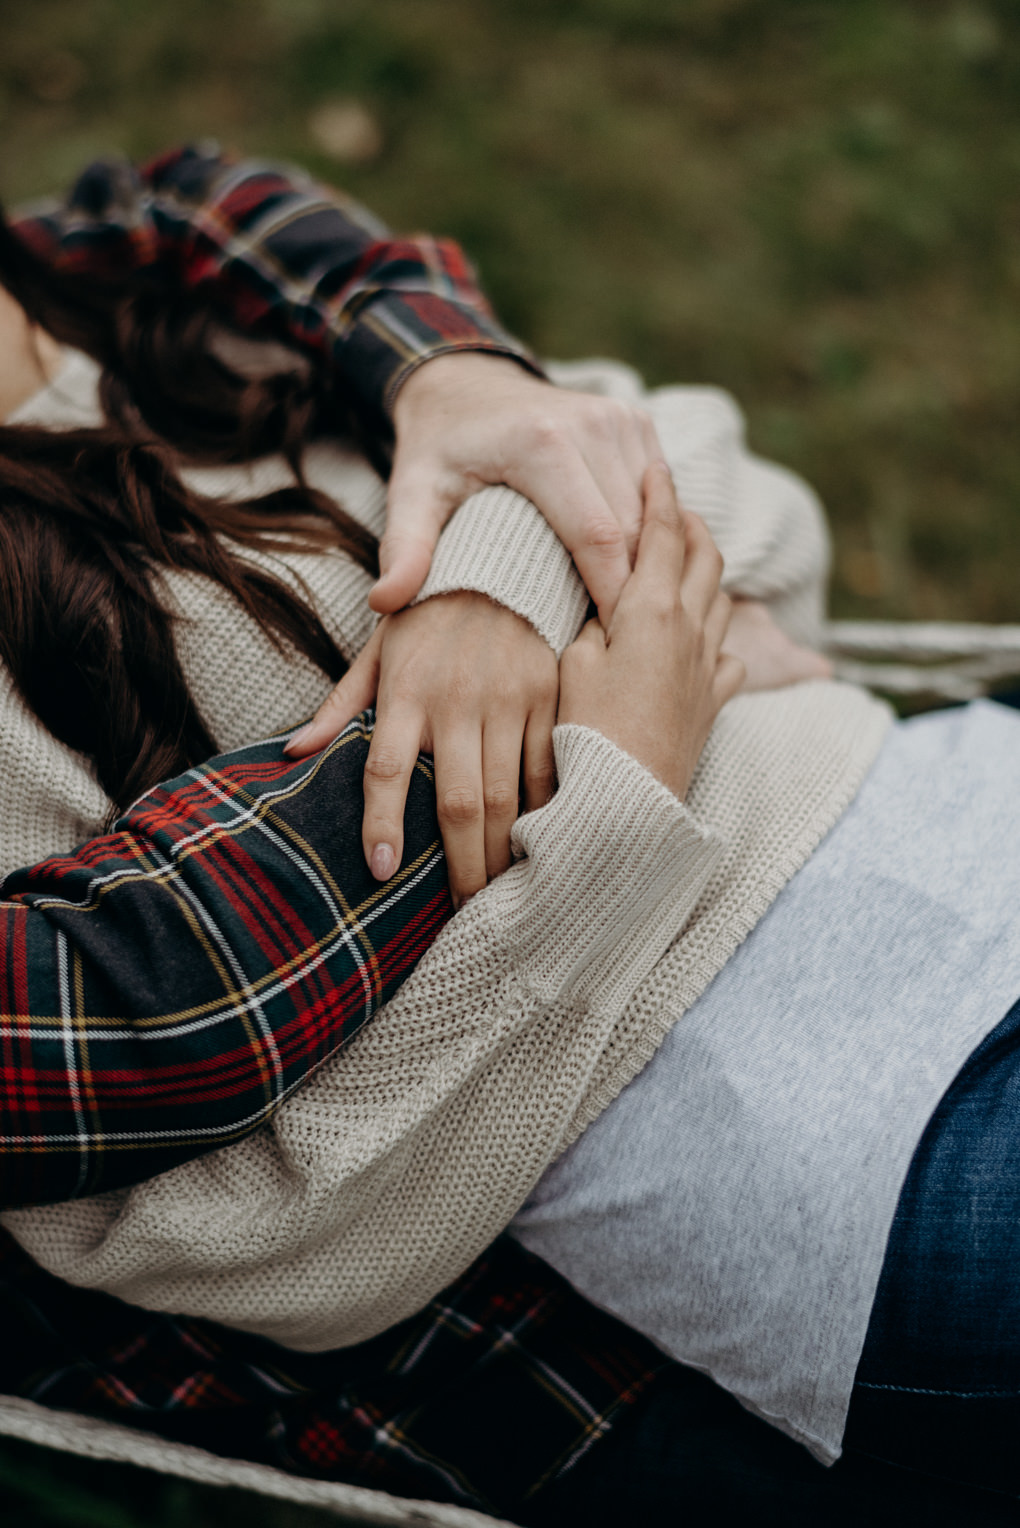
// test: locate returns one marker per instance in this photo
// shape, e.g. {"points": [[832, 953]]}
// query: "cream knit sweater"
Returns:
{"points": [[400, 1160]]}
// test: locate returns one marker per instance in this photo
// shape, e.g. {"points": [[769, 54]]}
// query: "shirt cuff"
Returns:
{"points": [[615, 865], [497, 543], [497, 343]]}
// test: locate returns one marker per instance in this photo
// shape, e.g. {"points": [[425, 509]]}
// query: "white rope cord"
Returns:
{"points": [[941, 660], [94, 1439]]}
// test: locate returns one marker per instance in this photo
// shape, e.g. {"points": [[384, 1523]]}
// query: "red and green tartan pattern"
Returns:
{"points": [[164, 988], [276, 250], [509, 1378], [499, 1386]]}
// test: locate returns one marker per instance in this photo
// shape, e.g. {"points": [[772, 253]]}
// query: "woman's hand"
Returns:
{"points": [[466, 420], [656, 680], [771, 658], [474, 685]]}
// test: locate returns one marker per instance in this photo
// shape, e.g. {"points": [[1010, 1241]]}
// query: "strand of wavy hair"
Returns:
{"points": [[89, 519]]}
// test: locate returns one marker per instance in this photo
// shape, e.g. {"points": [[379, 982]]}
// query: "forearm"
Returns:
{"points": [[277, 252], [447, 1108], [166, 987], [766, 521]]}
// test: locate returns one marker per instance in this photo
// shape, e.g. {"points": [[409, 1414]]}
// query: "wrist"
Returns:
{"points": [[500, 545], [449, 373]]}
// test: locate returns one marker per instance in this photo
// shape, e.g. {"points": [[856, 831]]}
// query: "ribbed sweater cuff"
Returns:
{"points": [[497, 543], [615, 866]]}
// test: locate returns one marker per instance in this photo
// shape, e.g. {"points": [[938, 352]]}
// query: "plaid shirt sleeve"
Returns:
{"points": [[274, 248], [164, 988]]}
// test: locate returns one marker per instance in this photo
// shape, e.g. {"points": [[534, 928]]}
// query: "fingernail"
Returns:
{"points": [[383, 862], [302, 734]]}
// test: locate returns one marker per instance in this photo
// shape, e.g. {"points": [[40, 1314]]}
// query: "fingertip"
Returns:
{"points": [[657, 475], [398, 585], [661, 504], [302, 743], [383, 861], [386, 597]]}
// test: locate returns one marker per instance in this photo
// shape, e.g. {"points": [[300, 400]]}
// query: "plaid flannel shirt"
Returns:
{"points": [[171, 983], [497, 1388], [279, 253], [508, 1379], [163, 988]]}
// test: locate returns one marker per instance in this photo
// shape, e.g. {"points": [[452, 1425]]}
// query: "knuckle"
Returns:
{"points": [[383, 766], [540, 777], [500, 799], [459, 805], [601, 534], [547, 432], [601, 417], [663, 602]]}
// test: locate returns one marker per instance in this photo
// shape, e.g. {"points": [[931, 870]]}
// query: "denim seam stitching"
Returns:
{"points": [[960, 1395]]}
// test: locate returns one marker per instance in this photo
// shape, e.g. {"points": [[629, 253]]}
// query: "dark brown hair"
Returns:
{"points": [[88, 517]]}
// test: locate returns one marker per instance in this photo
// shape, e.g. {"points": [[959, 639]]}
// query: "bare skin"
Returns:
{"points": [[476, 670], [459, 676], [29, 358], [656, 680], [463, 421], [770, 657], [475, 686], [468, 419]]}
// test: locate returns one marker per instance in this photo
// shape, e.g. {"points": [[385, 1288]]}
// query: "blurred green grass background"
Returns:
{"points": [[812, 203]]}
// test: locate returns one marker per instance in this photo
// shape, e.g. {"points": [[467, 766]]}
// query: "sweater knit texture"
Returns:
{"points": [[398, 1163]]}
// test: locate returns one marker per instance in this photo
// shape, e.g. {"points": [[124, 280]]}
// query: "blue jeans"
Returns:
{"points": [[933, 1435], [938, 1384]]}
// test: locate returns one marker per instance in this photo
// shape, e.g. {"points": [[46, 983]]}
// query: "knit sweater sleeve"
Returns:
{"points": [[164, 987], [766, 522], [394, 1168]]}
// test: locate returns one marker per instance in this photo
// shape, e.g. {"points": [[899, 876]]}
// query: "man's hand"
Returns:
{"points": [[655, 682], [474, 685], [467, 420]]}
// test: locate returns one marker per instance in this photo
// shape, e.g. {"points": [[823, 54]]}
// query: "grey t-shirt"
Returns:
{"points": [[734, 1203]]}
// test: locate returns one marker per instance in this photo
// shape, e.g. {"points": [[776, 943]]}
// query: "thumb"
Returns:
{"points": [[416, 512], [356, 690]]}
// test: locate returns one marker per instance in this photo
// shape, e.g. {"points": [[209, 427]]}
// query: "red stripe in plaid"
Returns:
{"points": [[496, 1389], [175, 980]]}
